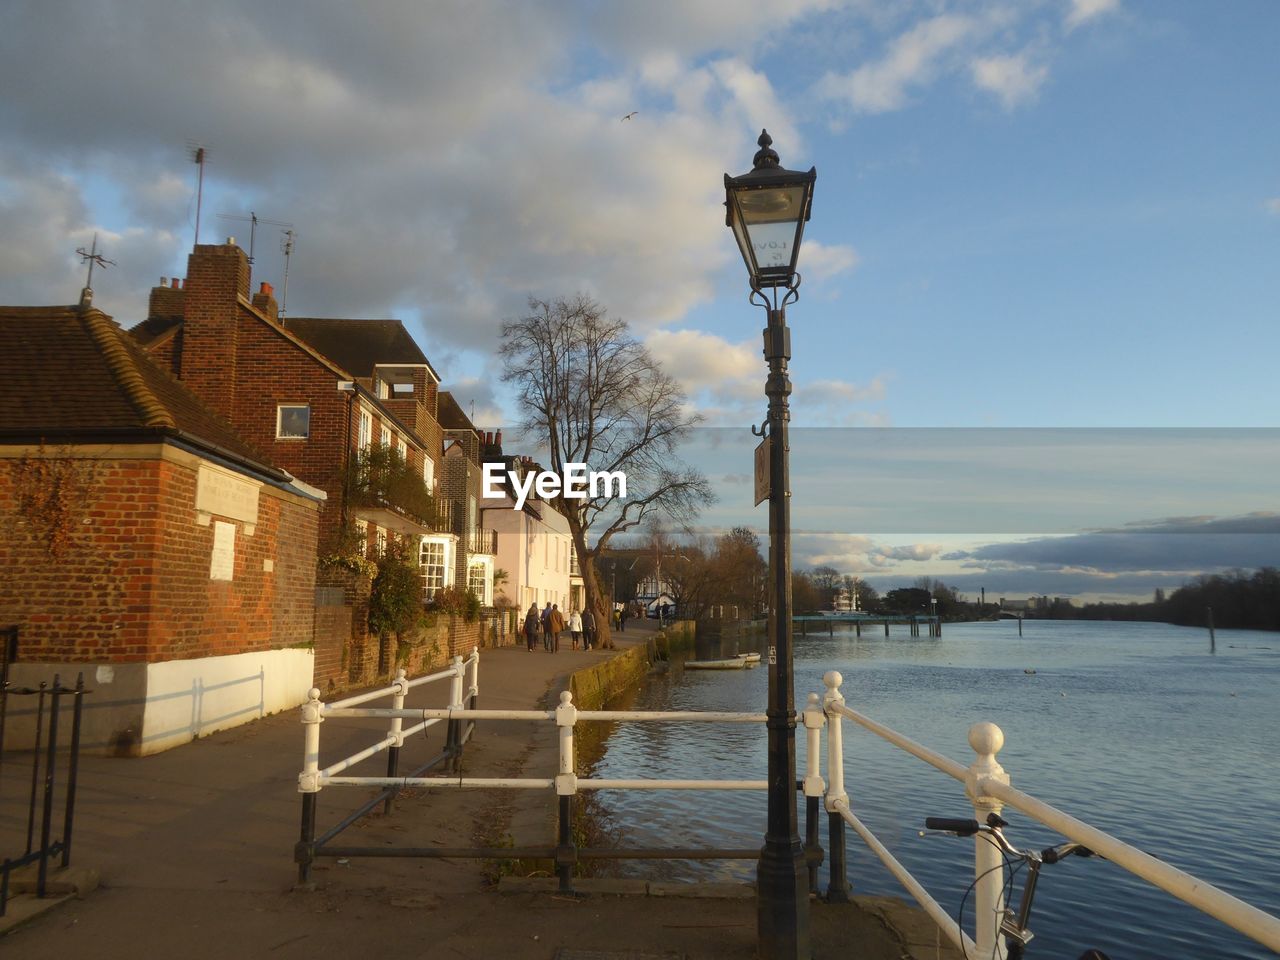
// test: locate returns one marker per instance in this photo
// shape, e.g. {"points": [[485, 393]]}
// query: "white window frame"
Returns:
{"points": [[402, 448], [485, 566], [432, 582], [366, 429], [428, 471], [280, 409], [380, 540]]}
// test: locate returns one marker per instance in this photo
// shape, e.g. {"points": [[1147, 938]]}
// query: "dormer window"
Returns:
{"points": [[293, 422]]}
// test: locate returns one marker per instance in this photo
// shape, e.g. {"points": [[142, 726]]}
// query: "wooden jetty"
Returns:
{"points": [[933, 623]]}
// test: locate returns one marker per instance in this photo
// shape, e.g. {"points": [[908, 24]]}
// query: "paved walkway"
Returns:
{"points": [[194, 850]]}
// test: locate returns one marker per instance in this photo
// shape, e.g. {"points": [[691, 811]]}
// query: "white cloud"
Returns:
{"points": [[1014, 79], [1082, 11], [820, 261], [911, 61]]}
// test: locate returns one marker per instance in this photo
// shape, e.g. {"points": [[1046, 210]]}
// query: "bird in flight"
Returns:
{"points": [[631, 114]]}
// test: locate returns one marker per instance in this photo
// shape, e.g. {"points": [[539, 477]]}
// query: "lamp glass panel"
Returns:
{"points": [[773, 204], [773, 243]]}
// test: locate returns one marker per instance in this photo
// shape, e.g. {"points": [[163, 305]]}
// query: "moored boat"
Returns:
{"points": [[730, 663]]}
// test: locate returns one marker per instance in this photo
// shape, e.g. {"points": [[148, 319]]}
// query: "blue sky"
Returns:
{"points": [[1042, 214]]}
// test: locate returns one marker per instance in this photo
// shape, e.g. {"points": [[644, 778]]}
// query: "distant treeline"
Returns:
{"points": [[1241, 600]]}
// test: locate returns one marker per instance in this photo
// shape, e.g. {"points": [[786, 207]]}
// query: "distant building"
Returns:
{"points": [[534, 547]]}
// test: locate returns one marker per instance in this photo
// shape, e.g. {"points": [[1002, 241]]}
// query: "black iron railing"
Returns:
{"points": [[42, 846]]}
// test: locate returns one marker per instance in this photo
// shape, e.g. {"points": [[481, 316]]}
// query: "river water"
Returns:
{"points": [[1136, 729]]}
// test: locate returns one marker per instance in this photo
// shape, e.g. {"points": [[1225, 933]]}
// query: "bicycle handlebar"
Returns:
{"points": [[965, 828]]}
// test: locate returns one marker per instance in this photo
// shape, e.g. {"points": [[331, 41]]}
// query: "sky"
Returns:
{"points": [[1030, 217]]}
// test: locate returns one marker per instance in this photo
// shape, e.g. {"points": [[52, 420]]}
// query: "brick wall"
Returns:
{"points": [[217, 276], [134, 584]]}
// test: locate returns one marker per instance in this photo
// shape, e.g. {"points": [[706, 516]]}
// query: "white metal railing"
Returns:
{"points": [[565, 783], [565, 716], [987, 787], [464, 681]]}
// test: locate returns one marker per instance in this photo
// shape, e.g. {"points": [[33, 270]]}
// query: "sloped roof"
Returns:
{"points": [[70, 374], [450, 415], [359, 345]]}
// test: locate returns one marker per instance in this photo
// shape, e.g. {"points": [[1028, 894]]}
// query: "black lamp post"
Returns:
{"points": [[767, 209]]}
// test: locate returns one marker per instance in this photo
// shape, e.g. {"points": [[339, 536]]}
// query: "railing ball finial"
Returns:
{"points": [[832, 679], [986, 739]]}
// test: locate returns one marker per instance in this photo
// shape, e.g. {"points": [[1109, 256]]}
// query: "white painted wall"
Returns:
{"points": [[191, 698], [534, 552]]}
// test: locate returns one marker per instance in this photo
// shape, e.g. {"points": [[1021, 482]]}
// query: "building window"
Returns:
{"points": [[402, 448], [478, 581], [293, 422], [428, 471], [380, 540], [366, 429], [362, 536], [434, 563]]}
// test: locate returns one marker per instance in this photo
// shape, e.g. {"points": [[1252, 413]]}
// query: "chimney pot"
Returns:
{"points": [[231, 241], [164, 281], [266, 288], [175, 284]]}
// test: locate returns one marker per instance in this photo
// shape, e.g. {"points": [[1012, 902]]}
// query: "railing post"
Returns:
{"points": [[813, 787], [838, 889], [453, 737], [309, 783], [566, 788], [50, 773], [396, 733], [986, 739], [73, 767], [473, 684]]}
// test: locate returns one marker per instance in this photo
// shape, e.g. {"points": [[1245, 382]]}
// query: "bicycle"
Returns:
{"points": [[1013, 925]]}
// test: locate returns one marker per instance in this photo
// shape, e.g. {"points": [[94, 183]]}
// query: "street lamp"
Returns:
{"points": [[767, 210]]}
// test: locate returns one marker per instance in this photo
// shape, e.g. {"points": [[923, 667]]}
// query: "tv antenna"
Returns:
{"points": [[253, 220], [94, 259], [286, 247], [199, 155]]}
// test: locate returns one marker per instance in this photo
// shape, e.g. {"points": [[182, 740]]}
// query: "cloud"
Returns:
{"points": [[1011, 78], [1082, 11], [1181, 547], [912, 60], [725, 381], [440, 164], [1272, 205], [840, 403], [821, 262]]}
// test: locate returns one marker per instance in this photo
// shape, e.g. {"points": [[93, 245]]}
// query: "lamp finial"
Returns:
{"points": [[766, 156]]}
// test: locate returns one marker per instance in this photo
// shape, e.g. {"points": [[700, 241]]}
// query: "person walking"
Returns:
{"points": [[546, 627], [622, 617], [575, 628], [532, 625], [557, 627], [588, 629]]}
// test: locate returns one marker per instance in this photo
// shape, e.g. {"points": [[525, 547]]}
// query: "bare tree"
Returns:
{"points": [[592, 394]]}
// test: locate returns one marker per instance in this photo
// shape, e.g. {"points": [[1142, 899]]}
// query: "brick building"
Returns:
{"points": [[312, 394], [321, 396], [147, 542]]}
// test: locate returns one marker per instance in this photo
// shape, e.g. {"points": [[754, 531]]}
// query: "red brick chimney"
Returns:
{"points": [[166, 301], [217, 275], [265, 301]]}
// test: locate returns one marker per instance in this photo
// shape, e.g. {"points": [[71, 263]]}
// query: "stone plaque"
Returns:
{"points": [[227, 494]]}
